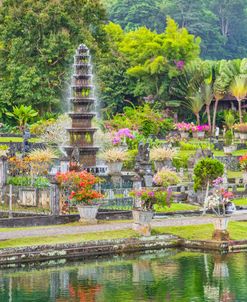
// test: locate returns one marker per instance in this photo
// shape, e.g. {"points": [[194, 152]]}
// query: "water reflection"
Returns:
{"points": [[162, 276]]}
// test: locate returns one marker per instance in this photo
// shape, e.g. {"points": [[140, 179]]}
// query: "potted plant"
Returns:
{"points": [[217, 201], [229, 148], [243, 165], [82, 194], [144, 207], [114, 158], [242, 129], [162, 157], [166, 177], [184, 129], [206, 170]]}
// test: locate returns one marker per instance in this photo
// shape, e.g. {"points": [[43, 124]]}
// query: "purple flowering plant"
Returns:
{"points": [[149, 198], [122, 134]]}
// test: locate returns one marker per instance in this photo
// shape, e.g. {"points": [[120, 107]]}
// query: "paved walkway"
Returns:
{"points": [[68, 230]]}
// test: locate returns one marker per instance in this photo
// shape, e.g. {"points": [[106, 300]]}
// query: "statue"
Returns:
{"points": [[143, 152], [75, 156]]}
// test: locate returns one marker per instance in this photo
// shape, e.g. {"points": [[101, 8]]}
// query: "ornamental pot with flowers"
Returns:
{"points": [[218, 201], [114, 158], [162, 157], [242, 130], [82, 194], [143, 211], [199, 131], [228, 147], [243, 165], [184, 129]]}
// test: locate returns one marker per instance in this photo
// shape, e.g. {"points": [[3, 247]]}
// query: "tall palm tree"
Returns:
{"points": [[195, 105], [207, 95], [238, 89]]}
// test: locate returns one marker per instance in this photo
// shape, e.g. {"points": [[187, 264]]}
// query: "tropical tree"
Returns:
{"points": [[238, 89], [207, 95], [22, 114], [195, 105]]}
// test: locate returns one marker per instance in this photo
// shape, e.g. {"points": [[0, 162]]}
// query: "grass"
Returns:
{"points": [[234, 174], [238, 231], [17, 140], [240, 201], [74, 238], [176, 207]]}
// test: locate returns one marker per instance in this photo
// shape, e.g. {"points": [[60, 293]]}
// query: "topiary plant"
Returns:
{"points": [[205, 171]]}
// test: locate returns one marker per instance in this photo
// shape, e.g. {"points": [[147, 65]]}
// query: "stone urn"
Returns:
{"points": [[184, 134], [220, 228], [200, 134], [228, 150], [245, 177], [194, 134], [142, 220], [237, 135], [114, 167], [159, 164], [88, 213], [243, 136]]}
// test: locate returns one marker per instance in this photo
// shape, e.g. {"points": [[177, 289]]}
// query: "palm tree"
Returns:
{"points": [[207, 95], [195, 105], [238, 89]]}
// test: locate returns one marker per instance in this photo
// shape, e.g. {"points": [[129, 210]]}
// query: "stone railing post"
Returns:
{"points": [[55, 199], [3, 171]]}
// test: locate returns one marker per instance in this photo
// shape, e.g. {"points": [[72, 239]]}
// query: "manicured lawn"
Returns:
{"points": [[236, 153], [240, 202], [176, 207], [238, 231], [234, 174], [17, 140], [50, 240]]}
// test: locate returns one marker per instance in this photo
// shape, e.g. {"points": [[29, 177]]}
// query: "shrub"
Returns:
{"points": [[180, 162], [228, 138], [190, 147], [114, 155], [161, 154], [166, 177], [80, 185], [25, 181], [207, 170]]}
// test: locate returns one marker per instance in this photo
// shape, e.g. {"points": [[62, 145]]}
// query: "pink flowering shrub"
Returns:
{"points": [[200, 128], [122, 134], [183, 126]]}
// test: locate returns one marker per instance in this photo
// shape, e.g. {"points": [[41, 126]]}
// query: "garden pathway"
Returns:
{"points": [[113, 226]]}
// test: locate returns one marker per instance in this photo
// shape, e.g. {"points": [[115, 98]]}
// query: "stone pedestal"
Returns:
{"points": [[142, 229], [221, 235]]}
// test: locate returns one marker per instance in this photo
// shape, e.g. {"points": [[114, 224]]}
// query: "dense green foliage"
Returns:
{"points": [[221, 24], [207, 170], [37, 42]]}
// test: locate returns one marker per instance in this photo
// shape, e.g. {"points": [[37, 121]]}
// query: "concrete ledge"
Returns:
{"points": [[84, 250]]}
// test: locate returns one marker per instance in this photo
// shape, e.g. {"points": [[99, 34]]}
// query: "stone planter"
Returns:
{"points": [[245, 177], [114, 167], [194, 135], [88, 213], [237, 135], [220, 229], [184, 134], [243, 136], [142, 217], [228, 150], [200, 134], [159, 164], [142, 221], [221, 223]]}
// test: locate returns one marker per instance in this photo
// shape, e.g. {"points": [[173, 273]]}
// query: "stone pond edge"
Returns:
{"points": [[94, 249]]}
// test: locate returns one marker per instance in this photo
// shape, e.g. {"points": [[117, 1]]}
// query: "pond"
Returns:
{"points": [[168, 275]]}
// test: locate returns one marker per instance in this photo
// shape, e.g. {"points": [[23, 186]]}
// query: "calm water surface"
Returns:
{"points": [[161, 276]]}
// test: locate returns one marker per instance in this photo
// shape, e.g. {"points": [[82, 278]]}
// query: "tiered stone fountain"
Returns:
{"points": [[83, 104]]}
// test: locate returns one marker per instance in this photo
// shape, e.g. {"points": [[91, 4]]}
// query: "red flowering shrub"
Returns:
{"points": [[80, 185]]}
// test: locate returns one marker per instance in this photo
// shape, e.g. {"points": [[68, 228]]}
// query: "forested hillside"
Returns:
{"points": [[222, 24]]}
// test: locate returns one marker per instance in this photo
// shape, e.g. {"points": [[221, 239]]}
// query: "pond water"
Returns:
{"points": [[168, 275]]}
